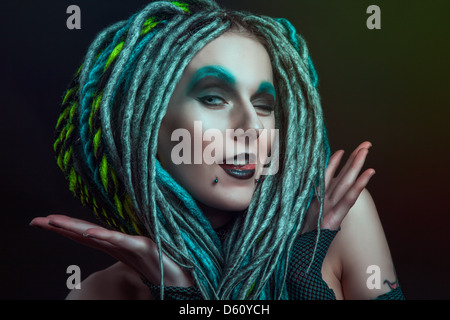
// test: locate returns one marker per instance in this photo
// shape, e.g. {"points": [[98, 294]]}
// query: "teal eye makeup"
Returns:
{"points": [[215, 72], [211, 85], [267, 87]]}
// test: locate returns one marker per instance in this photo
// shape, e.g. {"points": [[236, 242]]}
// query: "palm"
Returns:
{"points": [[138, 252]]}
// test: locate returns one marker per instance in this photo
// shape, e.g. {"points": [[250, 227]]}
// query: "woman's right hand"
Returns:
{"points": [[138, 252]]}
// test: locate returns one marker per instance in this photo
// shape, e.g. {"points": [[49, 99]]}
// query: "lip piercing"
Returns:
{"points": [[217, 180]]}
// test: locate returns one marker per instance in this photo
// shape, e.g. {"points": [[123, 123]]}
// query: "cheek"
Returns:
{"points": [[184, 157], [164, 142], [267, 139], [176, 118]]}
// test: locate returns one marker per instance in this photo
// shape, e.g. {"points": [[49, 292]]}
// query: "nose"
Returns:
{"points": [[247, 120]]}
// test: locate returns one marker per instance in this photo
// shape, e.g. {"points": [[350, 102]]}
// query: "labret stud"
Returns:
{"points": [[217, 180]]}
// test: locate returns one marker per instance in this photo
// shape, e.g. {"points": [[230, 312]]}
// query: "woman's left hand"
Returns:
{"points": [[342, 191]]}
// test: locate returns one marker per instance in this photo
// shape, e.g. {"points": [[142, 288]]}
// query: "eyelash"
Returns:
{"points": [[267, 109], [205, 98]]}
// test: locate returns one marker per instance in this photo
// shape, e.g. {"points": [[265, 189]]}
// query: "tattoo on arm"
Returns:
{"points": [[392, 285]]}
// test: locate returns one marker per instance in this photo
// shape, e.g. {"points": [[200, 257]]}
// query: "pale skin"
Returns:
{"points": [[360, 242]]}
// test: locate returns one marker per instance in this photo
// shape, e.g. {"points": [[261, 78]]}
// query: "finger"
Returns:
{"points": [[342, 208], [81, 238], [122, 240], [65, 222], [333, 164], [348, 178], [73, 229], [365, 145], [46, 223], [89, 234], [41, 222], [73, 224]]}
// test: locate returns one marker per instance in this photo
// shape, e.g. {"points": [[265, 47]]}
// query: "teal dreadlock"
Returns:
{"points": [[106, 142]]}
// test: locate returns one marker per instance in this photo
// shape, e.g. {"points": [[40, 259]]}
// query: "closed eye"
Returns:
{"points": [[264, 104], [264, 109]]}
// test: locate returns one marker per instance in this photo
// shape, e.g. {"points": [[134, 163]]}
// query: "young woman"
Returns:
{"points": [[274, 221]]}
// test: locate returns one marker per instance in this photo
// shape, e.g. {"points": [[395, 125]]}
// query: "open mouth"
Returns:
{"points": [[240, 171]]}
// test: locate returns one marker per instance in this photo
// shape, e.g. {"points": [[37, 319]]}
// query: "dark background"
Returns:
{"points": [[388, 86]]}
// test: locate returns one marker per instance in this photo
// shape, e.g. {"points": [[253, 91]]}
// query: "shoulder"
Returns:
{"points": [[361, 247], [118, 282]]}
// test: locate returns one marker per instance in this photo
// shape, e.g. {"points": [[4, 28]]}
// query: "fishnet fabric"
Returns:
{"points": [[175, 293], [394, 294], [304, 284]]}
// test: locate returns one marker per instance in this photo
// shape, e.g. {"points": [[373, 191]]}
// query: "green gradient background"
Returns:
{"points": [[388, 86]]}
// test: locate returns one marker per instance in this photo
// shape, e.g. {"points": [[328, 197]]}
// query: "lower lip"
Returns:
{"points": [[239, 172]]}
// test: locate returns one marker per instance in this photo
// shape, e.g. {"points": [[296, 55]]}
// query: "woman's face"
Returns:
{"points": [[218, 113]]}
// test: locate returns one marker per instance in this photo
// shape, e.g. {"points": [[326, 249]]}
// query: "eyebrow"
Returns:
{"points": [[267, 87], [212, 71]]}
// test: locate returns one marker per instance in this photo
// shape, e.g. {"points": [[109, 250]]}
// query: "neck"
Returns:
{"points": [[217, 217]]}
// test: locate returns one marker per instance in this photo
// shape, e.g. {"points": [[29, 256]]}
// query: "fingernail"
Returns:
{"points": [[366, 145], [34, 226], [88, 235]]}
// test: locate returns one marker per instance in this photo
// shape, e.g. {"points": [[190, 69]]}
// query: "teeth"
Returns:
{"points": [[242, 161]]}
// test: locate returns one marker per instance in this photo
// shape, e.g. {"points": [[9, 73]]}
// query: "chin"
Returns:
{"points": [[228, 194], [228, 201]]}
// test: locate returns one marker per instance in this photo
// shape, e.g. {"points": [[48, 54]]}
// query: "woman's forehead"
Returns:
{"points": [[237, 57]]}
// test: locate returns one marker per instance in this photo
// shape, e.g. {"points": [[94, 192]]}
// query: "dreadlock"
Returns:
{"points": [[106, 143]]}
